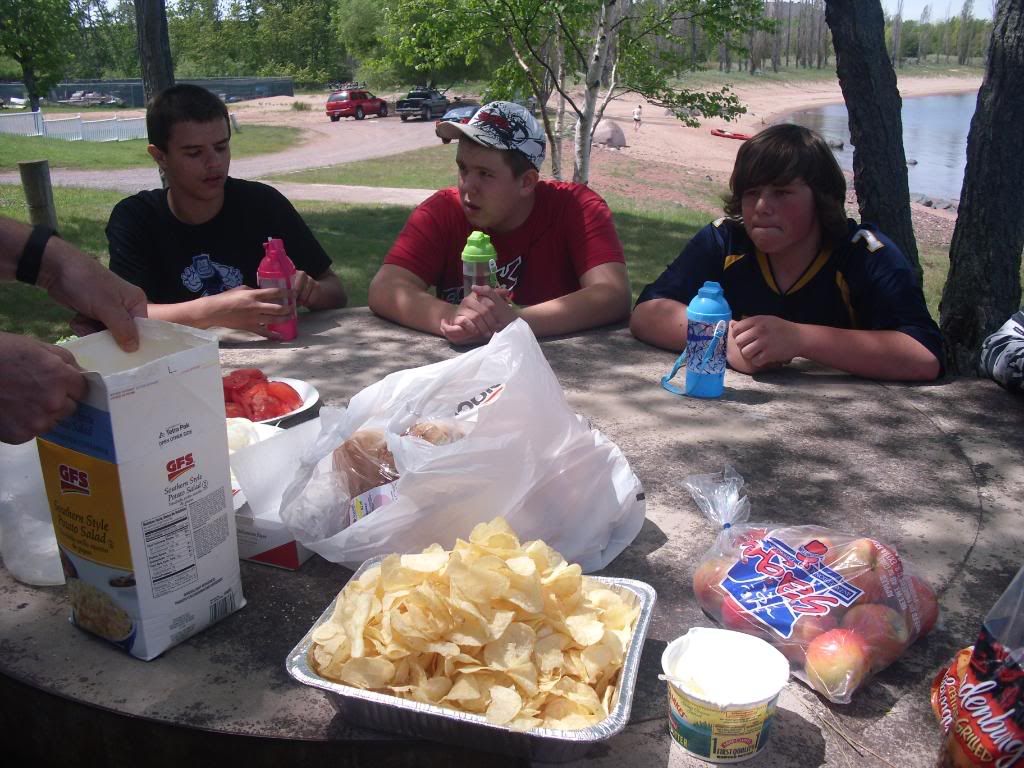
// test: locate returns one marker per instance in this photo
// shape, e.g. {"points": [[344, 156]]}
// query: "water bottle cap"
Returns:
{"points": [[479, 248], [709, 304], [275, 261], [710, 290]]}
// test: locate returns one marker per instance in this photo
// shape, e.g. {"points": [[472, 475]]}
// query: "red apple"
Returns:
{"points": [[806, 628], [884, 630], [706, 580], [734, 617], [837, 662], [927, 606]]}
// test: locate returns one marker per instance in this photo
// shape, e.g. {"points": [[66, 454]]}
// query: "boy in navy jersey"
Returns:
{"points": [[802, 280]]}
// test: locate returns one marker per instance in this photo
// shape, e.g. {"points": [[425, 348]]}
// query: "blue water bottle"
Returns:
{"points": [[707, 327]]}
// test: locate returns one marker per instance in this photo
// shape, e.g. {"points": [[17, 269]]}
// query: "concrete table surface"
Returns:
{"points": [[933, 469]]}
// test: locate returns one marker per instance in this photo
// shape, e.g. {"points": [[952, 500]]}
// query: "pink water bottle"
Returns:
{"points": [[277, 271]]}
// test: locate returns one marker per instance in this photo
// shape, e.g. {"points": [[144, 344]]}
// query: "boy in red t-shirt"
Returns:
{"points": [[559, 257]]}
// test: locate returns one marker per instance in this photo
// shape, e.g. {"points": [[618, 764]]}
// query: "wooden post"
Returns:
{"points": [[35, 180]]}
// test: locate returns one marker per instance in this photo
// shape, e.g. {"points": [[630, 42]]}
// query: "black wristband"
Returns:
{"points": [[32, 257]]}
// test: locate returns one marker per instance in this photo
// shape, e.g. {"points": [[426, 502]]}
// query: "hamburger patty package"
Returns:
{"points": [[839, 607], [979, 698], [427, 453]]}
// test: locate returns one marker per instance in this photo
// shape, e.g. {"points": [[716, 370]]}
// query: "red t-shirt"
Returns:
{"points": [[569, 231]]}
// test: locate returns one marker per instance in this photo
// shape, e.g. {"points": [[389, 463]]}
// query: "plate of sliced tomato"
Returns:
{"points": [[251, 394]]}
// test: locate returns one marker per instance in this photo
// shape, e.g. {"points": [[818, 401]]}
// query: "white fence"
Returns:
{"points": [[74, 128]]}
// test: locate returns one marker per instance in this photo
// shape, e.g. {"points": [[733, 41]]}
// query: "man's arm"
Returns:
{"points": [[79, 282], [661, 322], [241, 308], [324, 292], [765, 341], [402, 297], [602, 298]]}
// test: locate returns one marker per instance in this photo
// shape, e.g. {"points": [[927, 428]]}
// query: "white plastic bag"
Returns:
{"points": [[27, 542], [524, 456]]}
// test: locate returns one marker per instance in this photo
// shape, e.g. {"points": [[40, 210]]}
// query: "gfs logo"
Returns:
{"points": [[74, 480], [179, 466]]}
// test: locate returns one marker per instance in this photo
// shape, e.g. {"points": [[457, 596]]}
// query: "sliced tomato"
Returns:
{"points": [[235, 411], [244, 396], [286, 394], [265, 406], [242, 378]]}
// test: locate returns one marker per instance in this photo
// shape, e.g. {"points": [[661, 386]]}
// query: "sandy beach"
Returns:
{"points": [[662, 138]]}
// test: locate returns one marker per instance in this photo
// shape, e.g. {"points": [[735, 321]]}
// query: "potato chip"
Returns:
{"points": [[505, 704], [508, 631], [367, 673]]}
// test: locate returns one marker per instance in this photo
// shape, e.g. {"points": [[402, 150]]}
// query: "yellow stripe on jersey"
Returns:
{"points": [[731, 259], [766, 272], [814, 269], [844, 291]]}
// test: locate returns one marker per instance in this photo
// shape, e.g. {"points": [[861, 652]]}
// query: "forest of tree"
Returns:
{"points": [[317, 41]]}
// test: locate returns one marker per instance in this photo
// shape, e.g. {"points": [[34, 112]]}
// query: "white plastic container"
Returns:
{"points": [[722, 692]]}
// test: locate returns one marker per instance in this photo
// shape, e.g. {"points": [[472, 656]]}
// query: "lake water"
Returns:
{"points": [[935, 132]]}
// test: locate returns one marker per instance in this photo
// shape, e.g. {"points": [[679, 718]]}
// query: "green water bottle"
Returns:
{"points": [[479, 262]]}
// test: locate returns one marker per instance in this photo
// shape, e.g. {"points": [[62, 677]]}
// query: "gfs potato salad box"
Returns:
{"points": [[139, 489]]}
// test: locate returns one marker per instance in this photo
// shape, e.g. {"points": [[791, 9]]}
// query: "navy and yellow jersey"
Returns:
{"points": [[865, 283]]}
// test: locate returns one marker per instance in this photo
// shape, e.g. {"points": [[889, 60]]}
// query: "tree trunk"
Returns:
{"points": [[598, 57], [154, 46], [873, 102], [789, 32], [28, 74], [983, 286]]}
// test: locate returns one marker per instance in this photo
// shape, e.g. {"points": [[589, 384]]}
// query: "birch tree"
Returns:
{"points": [[610, 49]]}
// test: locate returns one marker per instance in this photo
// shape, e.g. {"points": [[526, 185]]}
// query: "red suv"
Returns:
{"points": [[353, 102]]}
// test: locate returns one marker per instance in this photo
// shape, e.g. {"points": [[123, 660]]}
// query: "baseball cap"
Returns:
{"points": [[501, 125]]}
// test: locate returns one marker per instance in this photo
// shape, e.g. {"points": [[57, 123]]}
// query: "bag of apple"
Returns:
{"points": [[840, 607]]}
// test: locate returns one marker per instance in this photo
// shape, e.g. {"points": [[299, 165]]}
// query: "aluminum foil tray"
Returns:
{"points": [[384, 712]]}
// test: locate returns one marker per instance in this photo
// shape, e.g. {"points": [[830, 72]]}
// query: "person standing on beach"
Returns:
{"points": [[801, 278], [638, 114]]}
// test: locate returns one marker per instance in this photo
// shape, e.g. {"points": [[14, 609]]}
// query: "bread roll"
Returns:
{"points": [[435, 432], [365, 461]]}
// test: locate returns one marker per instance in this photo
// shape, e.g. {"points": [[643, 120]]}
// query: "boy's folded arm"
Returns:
{"points": [[661, 322], [400, 296], [603, 298], [886, 355]]}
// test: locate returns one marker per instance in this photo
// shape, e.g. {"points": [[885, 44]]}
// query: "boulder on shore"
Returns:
{"points": [[610, 134]]}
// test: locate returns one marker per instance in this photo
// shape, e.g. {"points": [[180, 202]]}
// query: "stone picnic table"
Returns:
{"points": [[933, 469]]}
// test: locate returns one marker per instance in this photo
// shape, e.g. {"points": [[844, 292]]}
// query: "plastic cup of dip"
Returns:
{"points": [[722, 694]]}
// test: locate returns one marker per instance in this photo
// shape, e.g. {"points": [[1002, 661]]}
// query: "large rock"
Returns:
{"points": [[610, 135]]}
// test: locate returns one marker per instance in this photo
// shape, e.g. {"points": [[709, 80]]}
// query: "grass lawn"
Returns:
{"points": [[355, 236], [101, 155], [430, 168]]}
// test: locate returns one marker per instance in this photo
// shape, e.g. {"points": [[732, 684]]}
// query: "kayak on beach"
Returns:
{"points": [[729, 134]]}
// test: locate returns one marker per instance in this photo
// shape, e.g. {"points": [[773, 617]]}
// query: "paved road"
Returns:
{"points": [[331, 144]]}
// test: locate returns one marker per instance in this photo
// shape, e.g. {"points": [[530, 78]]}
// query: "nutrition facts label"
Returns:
{"points": [[169, 551]]}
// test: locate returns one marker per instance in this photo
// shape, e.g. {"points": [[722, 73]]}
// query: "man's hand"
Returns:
{"points": [[246, 309], [482, 313], [306, 289], [40, 384], [101, 298], [765, 341]]}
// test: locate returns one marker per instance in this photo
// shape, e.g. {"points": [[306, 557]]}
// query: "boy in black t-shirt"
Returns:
{"points": [[194, 247]]}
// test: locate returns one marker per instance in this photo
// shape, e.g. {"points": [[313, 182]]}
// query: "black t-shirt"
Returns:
{"points": [[173, 262]]}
